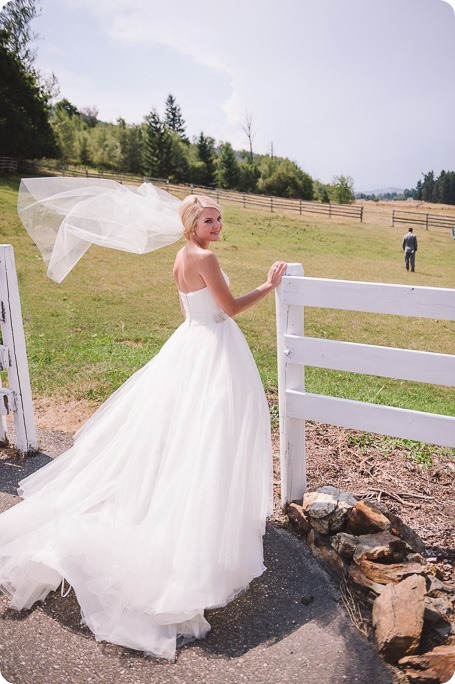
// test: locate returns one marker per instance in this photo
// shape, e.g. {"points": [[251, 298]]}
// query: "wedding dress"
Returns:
{"points": [[157, 512]]}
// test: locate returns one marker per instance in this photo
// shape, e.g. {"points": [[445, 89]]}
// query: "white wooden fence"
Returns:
{"points": [[17, 397], [295, 351]]}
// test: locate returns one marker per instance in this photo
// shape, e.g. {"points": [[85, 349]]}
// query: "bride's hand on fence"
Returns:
{"points": [[276, 272]]}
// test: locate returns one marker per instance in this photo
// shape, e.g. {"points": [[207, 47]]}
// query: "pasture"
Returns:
{"points": [[115, 310]]}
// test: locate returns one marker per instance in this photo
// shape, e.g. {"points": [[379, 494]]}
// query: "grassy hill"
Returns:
{"points": [[115, 310]]}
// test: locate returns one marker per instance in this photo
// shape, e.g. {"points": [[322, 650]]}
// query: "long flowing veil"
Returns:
{"points": [[64, 216]]}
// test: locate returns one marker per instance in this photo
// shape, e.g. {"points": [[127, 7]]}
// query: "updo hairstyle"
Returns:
{"points": [[191, 209]]}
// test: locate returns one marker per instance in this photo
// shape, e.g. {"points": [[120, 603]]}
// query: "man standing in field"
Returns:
{"points": [[410, 249]]}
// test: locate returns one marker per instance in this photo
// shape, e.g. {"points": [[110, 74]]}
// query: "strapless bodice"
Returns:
{"points": [[201, 308]]}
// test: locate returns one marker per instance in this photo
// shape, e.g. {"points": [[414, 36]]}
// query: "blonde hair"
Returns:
{"points": [[191, 209]]}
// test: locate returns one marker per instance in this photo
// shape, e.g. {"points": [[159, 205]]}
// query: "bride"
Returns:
{"points": [[158, 510]]}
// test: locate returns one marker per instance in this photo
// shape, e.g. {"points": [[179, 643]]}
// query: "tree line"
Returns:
{"points": [[158, 147], [440, 189]]}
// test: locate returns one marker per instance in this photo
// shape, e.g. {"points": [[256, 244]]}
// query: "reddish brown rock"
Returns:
{"points": [[298, 517], [393, 572], [433, 667], [320, 548], [398, 618], [370, 589], [382, 545], [366, 518]]}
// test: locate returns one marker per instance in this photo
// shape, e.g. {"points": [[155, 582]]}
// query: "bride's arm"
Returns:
{"points": [[213, 277]]}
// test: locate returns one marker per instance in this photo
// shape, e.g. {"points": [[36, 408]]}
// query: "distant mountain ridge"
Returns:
{"points": [[382, 191]]}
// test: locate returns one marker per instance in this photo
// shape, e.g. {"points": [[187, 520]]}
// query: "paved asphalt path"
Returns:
{"points": [[288, 627]]}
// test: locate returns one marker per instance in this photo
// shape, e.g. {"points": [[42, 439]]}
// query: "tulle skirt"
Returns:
{"points": [[158, 510]]}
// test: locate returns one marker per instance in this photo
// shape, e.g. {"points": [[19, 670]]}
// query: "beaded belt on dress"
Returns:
{"points": [[218, 317]]}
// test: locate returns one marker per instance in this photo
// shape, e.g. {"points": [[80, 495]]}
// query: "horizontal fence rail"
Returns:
{"points": [[296, 351], [266, 203], [421, 219], [254, 201]]}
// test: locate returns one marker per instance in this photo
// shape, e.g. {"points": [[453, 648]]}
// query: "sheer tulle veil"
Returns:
{"points": [[64, 216]]}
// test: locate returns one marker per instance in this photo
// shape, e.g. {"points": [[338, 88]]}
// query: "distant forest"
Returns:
{"points": [[432, 189]]}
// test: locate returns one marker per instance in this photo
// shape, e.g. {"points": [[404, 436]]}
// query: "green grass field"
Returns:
{"points": [[115, 310]]}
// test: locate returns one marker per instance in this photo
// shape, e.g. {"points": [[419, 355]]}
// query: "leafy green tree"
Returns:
{"points": [[68, 107], [173, 117], [24, 127], [249, 176], [325, 197], [284, 178], [206, 153], [228, 167], [85, 155], [67, 129], [342, 190], [107, 153]]}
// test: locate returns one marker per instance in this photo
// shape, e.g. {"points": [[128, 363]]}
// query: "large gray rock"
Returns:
{"points": [[327, 508], [398, 618], [344, 544], [382, 546]]}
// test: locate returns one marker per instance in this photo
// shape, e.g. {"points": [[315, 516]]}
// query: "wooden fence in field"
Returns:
{"points": [[295, 351], [266, 203], [421, 219], [253, 201], [17, 397]]}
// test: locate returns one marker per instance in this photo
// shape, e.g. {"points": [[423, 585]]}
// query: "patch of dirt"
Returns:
{"points": [[389, 472], [62, 415]]}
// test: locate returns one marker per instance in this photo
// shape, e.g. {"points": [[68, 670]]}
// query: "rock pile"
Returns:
{"points": [[380, 558]]}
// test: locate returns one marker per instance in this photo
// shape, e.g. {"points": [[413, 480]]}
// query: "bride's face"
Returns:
{"points": [[208, 226]]}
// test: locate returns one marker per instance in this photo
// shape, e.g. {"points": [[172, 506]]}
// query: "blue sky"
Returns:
{"points": [[357, 87]]}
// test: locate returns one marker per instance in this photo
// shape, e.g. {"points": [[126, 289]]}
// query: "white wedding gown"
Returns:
{"points": [[158, 510]]}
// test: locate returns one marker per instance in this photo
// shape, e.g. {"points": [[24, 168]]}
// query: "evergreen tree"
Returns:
{"points": [[418, 194], [429, 188], [179, 170], [131, 144], [206, 152], [228, 167], [173, 117], [158, 147]]}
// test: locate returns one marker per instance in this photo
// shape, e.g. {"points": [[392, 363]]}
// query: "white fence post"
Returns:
{"points": [[290, 320], [13, 358]]}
